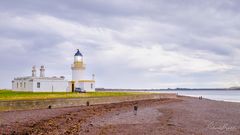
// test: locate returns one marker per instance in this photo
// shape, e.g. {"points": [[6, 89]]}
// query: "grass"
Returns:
{"points": [[12, 95]]}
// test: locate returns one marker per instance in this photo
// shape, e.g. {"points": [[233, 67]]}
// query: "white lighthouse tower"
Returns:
{"points": [[78, 83], [78, 67]]}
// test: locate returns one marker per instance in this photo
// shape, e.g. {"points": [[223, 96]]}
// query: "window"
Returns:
{"points": [[17, 84], [38, 85], [24, 84], [20, 84], [91, 86]]}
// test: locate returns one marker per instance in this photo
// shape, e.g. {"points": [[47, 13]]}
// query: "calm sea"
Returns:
{"points": [[221, 95]]}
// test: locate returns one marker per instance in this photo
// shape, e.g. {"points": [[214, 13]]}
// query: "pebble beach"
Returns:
{"points": [[182, 116]]}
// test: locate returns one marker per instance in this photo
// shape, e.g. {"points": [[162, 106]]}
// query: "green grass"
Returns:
{"points": [[12, 95]]}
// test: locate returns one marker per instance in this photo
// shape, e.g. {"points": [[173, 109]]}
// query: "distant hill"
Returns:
{"points": [[168, 89], [235, 88]]}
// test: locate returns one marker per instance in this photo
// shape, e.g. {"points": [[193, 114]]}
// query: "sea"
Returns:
{"points": [[219, 95]]}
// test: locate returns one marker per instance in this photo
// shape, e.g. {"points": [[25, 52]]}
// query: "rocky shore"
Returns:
{"points": [[182, 116]]}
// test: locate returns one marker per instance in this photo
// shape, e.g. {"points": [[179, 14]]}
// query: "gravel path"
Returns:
{"points": [[146, 115]]}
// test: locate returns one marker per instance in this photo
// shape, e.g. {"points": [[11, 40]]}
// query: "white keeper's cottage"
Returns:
{"points": [[41, 83]]}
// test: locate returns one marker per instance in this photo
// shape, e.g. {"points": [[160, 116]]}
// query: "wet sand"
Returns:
{"points": [[180, 116]]}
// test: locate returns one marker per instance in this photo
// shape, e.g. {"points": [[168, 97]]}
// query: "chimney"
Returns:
{"points": [[42, 71], [34, 71]]}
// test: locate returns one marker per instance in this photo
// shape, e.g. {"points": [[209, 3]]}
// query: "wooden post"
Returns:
{"points": [[87, 103], [135, 109]]}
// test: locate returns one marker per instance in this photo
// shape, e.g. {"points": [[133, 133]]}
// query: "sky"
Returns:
{"points": [[125, 43]]}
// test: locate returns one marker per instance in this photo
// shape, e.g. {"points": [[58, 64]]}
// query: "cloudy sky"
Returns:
{"points": [[126, 44]]}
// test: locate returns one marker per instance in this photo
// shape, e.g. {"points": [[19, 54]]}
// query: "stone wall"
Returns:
{"points": [[70, 102]]}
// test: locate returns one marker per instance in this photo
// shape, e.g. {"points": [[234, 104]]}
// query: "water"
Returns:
{"points": [[220, 95]]}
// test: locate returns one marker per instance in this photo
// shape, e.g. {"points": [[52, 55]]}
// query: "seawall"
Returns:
{"points": [[70, 102]]}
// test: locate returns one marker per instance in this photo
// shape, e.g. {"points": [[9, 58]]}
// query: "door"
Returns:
{"points": [[73, 87]]}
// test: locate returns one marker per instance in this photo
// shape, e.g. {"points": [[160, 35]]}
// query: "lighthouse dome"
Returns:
{"points": [[78, 53]]}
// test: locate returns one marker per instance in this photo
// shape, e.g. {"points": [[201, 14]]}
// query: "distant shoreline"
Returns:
{"points": [[212, 94], [179, 89]]}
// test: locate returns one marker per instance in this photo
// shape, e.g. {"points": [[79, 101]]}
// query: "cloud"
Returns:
{"points": [[127, 44]]}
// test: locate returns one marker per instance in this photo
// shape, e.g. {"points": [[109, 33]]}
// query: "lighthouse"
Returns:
{"points": [[78, 82], [78, 67]]}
